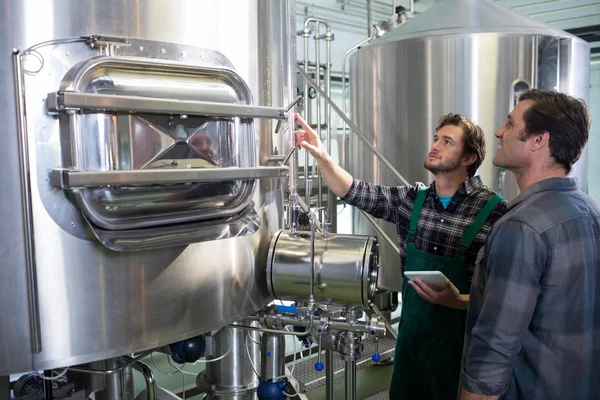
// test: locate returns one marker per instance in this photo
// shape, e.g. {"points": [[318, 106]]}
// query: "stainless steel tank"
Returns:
{"points": [[472, 57], [345, 268], [136, 212]]}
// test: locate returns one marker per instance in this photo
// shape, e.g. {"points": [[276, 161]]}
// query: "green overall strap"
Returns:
{"points": [[416, 212], [474, 227]]}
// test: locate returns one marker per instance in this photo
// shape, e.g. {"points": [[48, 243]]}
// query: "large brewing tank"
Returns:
{"points": [[472, 57], [93, 271]]}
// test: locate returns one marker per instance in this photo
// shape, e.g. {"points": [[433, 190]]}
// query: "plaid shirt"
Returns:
{"points": [[439, 229], [533, 325]]}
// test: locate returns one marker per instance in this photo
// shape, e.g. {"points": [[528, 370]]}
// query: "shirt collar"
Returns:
{"points": [[469, 186], [544, 185]]}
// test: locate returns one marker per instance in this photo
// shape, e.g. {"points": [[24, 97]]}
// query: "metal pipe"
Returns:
{"points": [[313, 228], [316, 20], [111, 371], [48, 394], [329, 372], [335, 324], [317, 38], [369, 17], [331, 198], [381, 233], [307, 187], [25, 189], [350, 372], [311, 296], [358, 133], [253, 328], [412, 6], [148, 375], [113, 384], [293, 160], [344, 100], [393, 7]]}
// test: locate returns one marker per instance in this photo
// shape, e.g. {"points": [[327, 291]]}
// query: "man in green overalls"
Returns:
{"points": [[440, 227]]}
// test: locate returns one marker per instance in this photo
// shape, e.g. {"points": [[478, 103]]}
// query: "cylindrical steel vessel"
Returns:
{"points": [[91, 273], [472, 57], [235, 376], [272, 364], [346, 268]]}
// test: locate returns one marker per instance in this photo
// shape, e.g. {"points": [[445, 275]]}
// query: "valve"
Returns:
{"points": [[319, 365], [376, 357]]}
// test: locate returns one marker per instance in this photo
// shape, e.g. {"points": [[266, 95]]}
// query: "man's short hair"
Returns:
{"points": [[473, 138], [564, 117]]}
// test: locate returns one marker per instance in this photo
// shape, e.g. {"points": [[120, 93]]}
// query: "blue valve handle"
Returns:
{"points": [[287, 309], [376, 357], [319, 365]]}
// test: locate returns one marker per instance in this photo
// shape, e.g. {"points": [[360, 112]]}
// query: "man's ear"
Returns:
{"points": [[468, 160], [539, 141]]}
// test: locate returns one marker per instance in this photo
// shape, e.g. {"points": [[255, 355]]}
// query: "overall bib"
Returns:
{"points": [[430, 337]]}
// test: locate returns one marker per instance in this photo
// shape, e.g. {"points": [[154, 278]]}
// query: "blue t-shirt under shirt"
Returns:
{"points": [[445, 200]]}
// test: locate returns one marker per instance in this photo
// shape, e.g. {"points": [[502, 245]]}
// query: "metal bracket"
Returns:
{"points": [[101, 41]]}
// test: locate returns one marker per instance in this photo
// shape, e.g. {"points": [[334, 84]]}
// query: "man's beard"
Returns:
{"points": [[442, 167]]}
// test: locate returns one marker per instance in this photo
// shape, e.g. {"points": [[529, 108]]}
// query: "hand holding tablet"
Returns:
{"points": [[434, 279]]}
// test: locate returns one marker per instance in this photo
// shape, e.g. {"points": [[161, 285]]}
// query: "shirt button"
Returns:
{"points": [[435, 248], [442, 220]]}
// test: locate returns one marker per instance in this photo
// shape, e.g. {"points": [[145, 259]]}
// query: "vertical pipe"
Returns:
{"points": [[148, 375], [412, 6], [317, 38], [329, 374], [369, 17], [23, 138], [290, 79], [307, 186], [113, 388], [331, 198], [48, 395], [272, 356], [350, 372]]}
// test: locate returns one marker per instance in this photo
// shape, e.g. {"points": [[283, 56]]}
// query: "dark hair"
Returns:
{"points": [[564, 117], [474, 142]]}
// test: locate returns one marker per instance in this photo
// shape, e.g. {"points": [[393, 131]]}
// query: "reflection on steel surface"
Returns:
{"points": [[244, 223]]}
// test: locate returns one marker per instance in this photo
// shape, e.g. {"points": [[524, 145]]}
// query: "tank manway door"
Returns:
{"points": [[157, 153]]}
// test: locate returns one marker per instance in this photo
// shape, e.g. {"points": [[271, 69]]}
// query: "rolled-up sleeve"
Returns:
{"points": [[516, 256], [378, 200]]}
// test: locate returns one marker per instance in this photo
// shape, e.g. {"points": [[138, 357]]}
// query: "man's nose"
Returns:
{"points": [[499, 132]]}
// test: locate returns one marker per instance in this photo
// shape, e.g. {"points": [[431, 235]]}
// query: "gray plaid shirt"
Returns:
{"points": [[533, 326], [440, 229]]}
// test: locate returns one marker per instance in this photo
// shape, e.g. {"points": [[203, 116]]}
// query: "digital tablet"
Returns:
{"points": [[434, 279]]}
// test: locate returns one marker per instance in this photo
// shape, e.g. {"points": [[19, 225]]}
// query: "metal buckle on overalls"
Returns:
{"points": [[411, 237]]}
